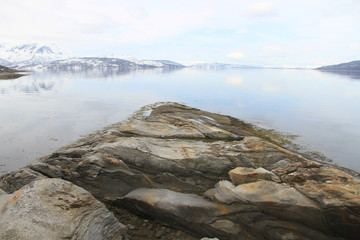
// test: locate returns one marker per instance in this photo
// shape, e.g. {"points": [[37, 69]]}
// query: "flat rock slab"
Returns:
{"points": [[56, 209]]}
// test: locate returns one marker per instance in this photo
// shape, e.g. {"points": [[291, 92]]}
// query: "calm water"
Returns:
{"points": [[44, 111]]}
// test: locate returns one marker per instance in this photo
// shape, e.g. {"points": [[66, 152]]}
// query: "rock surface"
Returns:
{"points": [[56, 209], [174, 163], [241, 175]]}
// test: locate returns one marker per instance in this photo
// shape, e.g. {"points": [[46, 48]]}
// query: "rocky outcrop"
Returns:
{"points": [[206, 174], [56, 209]]}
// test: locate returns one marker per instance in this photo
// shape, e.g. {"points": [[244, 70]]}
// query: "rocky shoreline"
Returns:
{"points": [[175, 172]]}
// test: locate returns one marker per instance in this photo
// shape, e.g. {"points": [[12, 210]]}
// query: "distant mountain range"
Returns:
{"points": [[35, 56], [87, 63], [219, 66], [350, 66]]}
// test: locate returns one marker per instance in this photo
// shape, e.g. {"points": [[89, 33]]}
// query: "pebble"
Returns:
{"points": [[159, 234], [131, 227]]}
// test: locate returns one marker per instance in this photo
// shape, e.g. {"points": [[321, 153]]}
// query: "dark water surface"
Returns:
{"points": [[44, 111]]}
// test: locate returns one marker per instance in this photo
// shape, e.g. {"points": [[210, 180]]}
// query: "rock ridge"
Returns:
{"points": [[203, 173]]}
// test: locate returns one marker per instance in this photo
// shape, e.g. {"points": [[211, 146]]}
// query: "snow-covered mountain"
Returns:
{"points": [[87, 63], [28, 53], [35, 56], [153, 63]]}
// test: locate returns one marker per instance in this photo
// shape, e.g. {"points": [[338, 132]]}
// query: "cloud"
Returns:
{"points": [[260, 9], [188, 30], [114, 21], [272, 51], [235, 55], [242, 31], [235, 80], [354, 46]]}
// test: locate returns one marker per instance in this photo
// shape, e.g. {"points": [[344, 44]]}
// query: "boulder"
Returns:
{"points": [[336, 192], [199, 216], [13, 181], [279, 200], [56, 209], [241, 175], [188, 212]]}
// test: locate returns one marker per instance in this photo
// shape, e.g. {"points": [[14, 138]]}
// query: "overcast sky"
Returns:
{"points": [[268, 33]]}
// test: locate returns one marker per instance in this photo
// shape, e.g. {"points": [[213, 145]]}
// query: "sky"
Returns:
{"points": [[264, 33]]}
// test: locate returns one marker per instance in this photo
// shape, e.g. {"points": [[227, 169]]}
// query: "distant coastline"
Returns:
{"points": [[9, 73], [353, 66]]}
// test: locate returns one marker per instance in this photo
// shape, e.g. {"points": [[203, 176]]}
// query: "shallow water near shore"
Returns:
{"points": [[47, 110]]}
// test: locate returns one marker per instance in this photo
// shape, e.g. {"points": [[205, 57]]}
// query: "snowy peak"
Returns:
{"points": [[45, 50], [30, 53], [86, 63], [31, 56]]}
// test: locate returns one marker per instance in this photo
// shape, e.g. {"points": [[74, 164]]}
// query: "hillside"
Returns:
{"points": [[350, 66]]}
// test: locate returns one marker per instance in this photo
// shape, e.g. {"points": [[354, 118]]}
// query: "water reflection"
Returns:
{"points": [[101, 72], [50, 109], [235, 80], [350, 74], [24, 86]]}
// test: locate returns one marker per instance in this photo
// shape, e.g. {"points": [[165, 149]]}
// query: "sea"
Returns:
{"points": [[46, 110]]}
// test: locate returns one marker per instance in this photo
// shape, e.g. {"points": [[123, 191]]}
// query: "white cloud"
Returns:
{"points": [[354, 46], [116, 21], [276, 51], [242, 31], [273, 49], [235, 55], [260, 9], [182, 29]]}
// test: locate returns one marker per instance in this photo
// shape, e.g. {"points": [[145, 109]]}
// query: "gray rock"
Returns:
{"points": [[190, 212], [56, 209], [10, 182], [278, 200], [241, 175]]}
